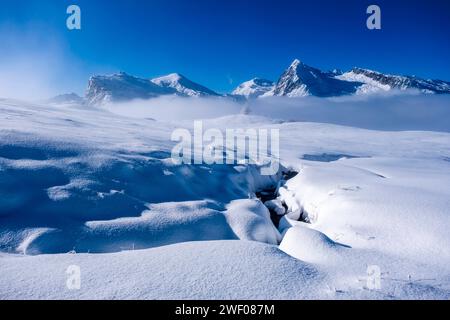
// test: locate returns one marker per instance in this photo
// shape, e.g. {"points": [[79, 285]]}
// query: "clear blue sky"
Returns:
{"points": [[221, 43]]}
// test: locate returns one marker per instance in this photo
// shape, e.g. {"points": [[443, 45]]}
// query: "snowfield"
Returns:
{"points": [[195, 270], [94, 188]]}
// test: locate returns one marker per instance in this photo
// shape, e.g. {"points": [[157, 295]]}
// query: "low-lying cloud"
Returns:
{"points": [[392, 111], [173, 108]]}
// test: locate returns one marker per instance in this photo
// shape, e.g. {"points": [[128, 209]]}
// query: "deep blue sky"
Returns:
{"points": [[221, 43]]}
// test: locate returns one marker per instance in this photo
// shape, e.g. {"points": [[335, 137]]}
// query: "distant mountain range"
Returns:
{"points": [[299, 80]]}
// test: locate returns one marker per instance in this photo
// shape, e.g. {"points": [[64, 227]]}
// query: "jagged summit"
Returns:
{"points": [[302, 80]]}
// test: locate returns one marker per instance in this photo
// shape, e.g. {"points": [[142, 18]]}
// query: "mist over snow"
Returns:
{"points": [[173, 108], [391, 111], [397, 110]]}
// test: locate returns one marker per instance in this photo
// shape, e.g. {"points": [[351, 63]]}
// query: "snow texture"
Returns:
{"points": [[86, 186]]}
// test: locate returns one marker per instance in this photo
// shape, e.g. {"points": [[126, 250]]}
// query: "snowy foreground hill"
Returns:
{"points": [[88, 187]]}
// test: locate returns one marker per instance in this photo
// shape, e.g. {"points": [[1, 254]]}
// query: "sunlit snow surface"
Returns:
{"points": [[102, 185]]}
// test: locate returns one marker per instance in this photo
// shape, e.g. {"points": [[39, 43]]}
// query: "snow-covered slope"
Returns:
{"points": [[122, 87], [196, 270], [84, 178], [254, 88], [302, 80], [183, 85], [88, 181]]}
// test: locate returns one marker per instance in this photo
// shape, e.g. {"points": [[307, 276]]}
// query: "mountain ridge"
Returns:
{"points": [[183, 85], [298, 80]]}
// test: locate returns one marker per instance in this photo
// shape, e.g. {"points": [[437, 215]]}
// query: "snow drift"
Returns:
{"points": [[100, 185]]}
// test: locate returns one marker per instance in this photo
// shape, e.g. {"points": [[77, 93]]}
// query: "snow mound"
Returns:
{"points": [[164, 224], [309, 245], [250, 220], [68, 195]]}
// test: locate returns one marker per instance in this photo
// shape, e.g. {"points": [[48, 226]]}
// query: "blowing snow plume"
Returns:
{"points": [[35, 67]]}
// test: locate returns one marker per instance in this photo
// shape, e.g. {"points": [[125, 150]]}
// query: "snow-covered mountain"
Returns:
{"points": [[297, 81], [183, 85], [302, 80], [254, 88], [122, 87], [375, 81]]}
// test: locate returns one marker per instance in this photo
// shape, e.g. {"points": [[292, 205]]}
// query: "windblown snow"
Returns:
{"points": [[84, 186]]}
